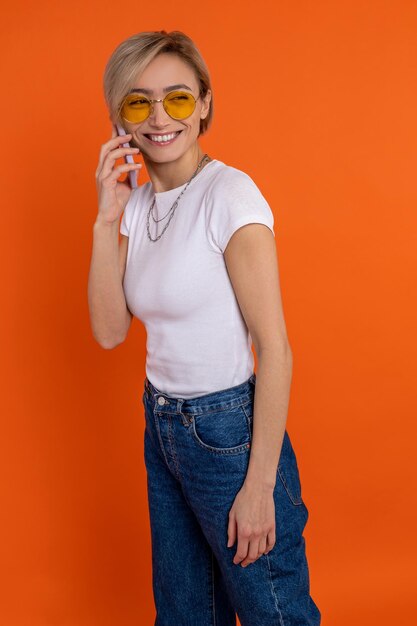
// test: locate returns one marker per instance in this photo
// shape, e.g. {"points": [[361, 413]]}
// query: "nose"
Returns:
{"points": [[158, 115]]}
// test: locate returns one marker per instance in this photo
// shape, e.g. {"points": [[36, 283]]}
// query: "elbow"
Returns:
{"points": [[288, 354], [107, 346], [111, 342], [280, 346], [110, 345], [280, 352]]}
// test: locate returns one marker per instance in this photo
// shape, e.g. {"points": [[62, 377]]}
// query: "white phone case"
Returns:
{"points": [[128, 158]]}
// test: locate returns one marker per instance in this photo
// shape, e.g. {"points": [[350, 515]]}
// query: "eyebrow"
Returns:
{"points": [[165, 89]]}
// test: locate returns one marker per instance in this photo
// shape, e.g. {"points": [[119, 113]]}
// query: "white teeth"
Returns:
{"points": [[161, 138]]}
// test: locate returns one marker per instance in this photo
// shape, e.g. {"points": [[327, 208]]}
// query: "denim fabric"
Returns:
{"points": [[196, 455]]}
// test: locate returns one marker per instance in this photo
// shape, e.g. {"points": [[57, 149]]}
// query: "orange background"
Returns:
{"points": [[330, 138]]}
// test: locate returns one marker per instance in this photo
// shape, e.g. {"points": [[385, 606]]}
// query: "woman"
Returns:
{"points": [[197, 265]]}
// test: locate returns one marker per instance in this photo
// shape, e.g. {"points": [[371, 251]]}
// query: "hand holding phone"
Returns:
{"points": [[128, 158]]}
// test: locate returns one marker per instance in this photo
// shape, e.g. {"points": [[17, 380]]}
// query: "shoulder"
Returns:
{"points": [[229, 180], [234, 188], [233, 200]]}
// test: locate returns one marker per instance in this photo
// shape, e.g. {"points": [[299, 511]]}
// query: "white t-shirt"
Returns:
{"points": [[179, 287]]}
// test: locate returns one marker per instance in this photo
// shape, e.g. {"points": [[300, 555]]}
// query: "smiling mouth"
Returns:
{"points": [[162, 140]]}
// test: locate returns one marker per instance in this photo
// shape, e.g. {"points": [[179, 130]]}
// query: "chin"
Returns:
{"points": [[166, 155], [167, 158]]}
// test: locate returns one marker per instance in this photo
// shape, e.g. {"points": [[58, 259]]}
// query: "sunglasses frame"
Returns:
{"points": [[152, 102]]}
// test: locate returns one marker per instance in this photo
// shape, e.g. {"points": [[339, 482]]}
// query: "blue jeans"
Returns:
{"points": [[196, 455]]}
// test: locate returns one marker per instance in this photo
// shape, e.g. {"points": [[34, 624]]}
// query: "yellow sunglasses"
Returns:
{"points": [[137, 107]]}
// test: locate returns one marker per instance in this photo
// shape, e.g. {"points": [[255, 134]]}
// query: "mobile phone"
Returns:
{"points": [[128, 158]]}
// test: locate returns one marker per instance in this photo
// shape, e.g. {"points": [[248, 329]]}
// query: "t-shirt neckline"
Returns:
{"points": [[163, 194]]}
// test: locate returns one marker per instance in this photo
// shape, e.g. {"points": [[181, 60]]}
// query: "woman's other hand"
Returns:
{"points": [[252, 523]]}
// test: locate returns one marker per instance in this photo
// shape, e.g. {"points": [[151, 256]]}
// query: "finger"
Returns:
{"points": [[262, 545], [270, 541], [112, 157], [118, 171], [128, 167], [231, 531], [253, 553], [109, 146], [242, 550]]}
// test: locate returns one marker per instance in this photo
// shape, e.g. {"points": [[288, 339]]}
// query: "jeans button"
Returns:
{"points": [[161, 400]]}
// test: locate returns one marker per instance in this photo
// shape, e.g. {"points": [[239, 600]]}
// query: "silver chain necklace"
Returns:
{"points": [[174, 206]]}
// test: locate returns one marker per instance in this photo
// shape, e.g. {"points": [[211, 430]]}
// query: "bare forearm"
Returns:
{"points": [[273, 384], [109, 315]]}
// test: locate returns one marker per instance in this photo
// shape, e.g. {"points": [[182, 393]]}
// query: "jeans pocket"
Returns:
{"points": [[225, 431], [288, 472]]}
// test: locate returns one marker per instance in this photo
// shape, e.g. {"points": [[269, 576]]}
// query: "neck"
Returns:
{"points": [[166, 176]]}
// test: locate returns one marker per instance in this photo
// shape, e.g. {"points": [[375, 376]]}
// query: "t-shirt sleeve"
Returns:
{"points": [[128, 212], [236, 201]]}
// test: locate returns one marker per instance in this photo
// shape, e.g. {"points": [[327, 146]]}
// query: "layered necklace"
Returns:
{"points": [[174, 206]]}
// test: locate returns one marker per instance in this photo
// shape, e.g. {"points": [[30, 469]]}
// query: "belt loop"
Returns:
{"points": [[185, 418], [147, 387]]}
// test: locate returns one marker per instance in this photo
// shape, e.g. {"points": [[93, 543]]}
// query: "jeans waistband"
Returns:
{"points": [[209, 402]]}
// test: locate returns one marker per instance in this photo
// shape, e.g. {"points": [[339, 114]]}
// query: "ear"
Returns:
{"points": [[205, 108]]}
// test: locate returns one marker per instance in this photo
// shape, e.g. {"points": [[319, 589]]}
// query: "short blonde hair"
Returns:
{"points": [[131, 57]]}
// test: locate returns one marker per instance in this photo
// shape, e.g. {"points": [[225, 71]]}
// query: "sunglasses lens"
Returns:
{"points": [[135, 108], [179, 104]]}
